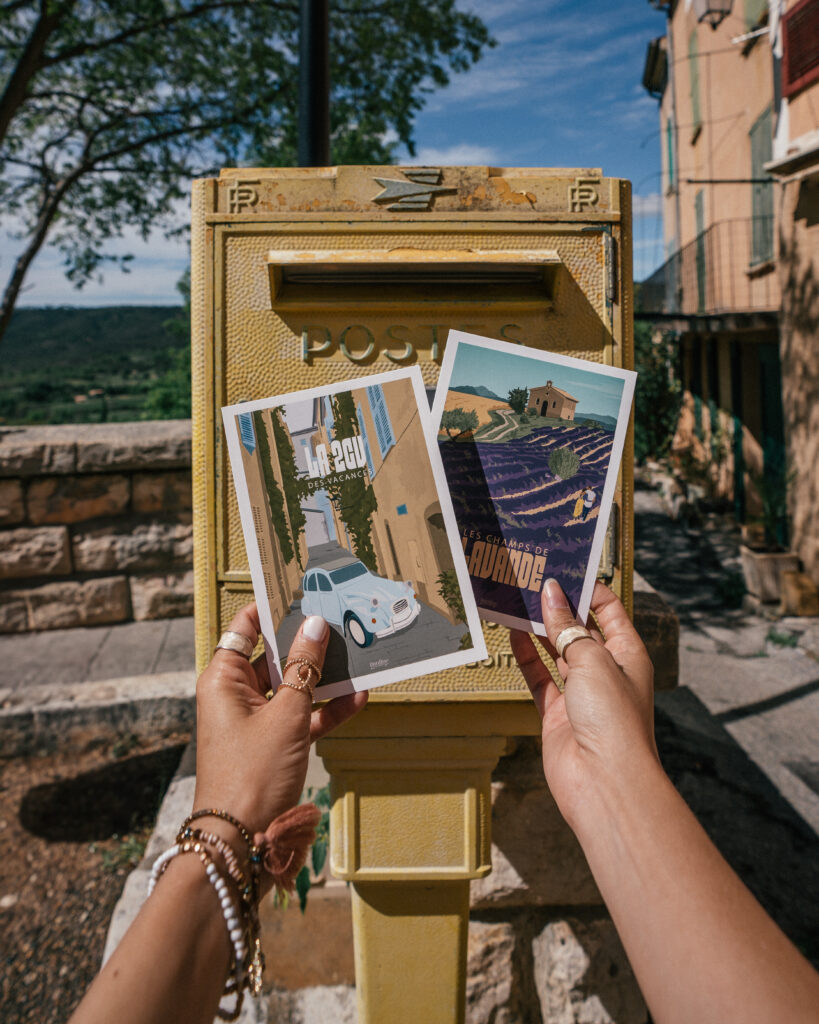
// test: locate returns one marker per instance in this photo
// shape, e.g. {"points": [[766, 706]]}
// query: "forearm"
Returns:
{"points": [[701, 946], [172, 963]]}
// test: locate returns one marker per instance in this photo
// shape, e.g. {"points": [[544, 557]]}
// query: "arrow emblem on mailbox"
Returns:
{"points": [[416, 193]]}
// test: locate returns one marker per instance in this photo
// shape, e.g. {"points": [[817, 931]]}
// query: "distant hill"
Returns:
{"points": [[480, 391], [70, 365], [606, 422], [67, 337]]}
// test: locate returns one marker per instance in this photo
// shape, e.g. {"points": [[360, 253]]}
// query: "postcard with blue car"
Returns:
{"points": [[346, 515], [531, 443]]}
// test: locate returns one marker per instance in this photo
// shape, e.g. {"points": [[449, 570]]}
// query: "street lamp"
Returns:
{"points": [[712, 11]]}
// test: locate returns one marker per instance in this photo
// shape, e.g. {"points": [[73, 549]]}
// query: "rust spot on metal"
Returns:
{"points": [[508, 195]]}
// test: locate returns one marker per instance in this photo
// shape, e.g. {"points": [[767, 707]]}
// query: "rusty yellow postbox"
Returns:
{"points": [[305, 276]]}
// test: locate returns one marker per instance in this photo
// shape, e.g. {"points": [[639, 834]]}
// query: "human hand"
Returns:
{"points": [[603, 722], [251, 753]]}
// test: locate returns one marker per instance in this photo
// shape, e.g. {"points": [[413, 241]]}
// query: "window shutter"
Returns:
{"points": [[362, 426], [694, 73], [381, 418], [800, 38], [762, 205]]}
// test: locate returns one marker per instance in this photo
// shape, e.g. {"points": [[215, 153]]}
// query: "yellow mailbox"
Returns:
{"points": [[305, 276]]}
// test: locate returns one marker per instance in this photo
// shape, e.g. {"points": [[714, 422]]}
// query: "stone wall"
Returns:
{"points": [[95, 524]]}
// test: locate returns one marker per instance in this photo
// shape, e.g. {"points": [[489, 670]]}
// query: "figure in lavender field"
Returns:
{"points": [[588, 502]]}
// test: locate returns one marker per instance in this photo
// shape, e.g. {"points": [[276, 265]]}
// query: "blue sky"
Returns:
{"points": [[561, 89], [596, 393]]}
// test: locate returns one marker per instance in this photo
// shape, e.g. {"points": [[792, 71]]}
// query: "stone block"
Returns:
{"points": [[162, 492], [139, 546], [529, 832], [800, 595], [70, 499], [582, 975], [12, 509], [493, 984], [31, 451], [162, 597], [40, 551], [147, 444], [13, 613], [79, 603]]}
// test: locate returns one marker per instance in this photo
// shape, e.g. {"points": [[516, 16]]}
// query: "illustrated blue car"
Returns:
{"points": [[366, 606]]}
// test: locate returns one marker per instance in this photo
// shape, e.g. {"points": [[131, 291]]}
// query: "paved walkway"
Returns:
{"points": [[758, 678]]}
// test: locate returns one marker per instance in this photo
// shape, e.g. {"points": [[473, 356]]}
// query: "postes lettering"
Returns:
{"points": [[398, 343]]}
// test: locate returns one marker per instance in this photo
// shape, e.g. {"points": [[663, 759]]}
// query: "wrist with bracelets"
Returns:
{"points": [[285, 841]]}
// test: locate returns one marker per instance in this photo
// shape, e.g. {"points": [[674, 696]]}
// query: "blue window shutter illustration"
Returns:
{"points": [[362, 426], [401, 510], [381, 418], [246, 431]]}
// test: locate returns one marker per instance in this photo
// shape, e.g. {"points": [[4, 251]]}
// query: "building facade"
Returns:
{"points": [[549, 400], [740, 143]]}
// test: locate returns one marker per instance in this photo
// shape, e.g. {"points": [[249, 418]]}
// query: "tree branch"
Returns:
{"points": [[83, 49], [30, 61]]}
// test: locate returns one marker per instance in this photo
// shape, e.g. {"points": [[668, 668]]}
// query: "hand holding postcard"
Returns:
{"points": [[531, 444], [346, 515]]}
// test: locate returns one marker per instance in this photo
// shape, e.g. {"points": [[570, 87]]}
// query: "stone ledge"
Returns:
{"points": [[75, 716], [95, 448]]}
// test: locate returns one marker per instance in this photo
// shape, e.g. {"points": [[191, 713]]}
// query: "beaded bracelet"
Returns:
{"points": [[228, 855], [236, 932], [254, 852]]}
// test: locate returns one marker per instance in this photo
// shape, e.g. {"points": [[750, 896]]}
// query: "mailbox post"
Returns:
{"points": [[305, 276]]}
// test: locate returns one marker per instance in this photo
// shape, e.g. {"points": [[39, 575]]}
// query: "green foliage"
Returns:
{"points": [[318, 852], [275, 498], [169, 397], [128, 852], [781, 639], [293, 486], [459, 420], [52, 355], [772, 487], [658, 394], [564, 462], [353, 497], [109, 109], [590, 423], [517, 398], [450, 591]]}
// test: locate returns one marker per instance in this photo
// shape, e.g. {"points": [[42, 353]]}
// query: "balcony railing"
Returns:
{"points": [[726, 269]]}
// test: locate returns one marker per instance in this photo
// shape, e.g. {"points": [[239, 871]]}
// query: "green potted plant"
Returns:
{"points": [[764, 554]]}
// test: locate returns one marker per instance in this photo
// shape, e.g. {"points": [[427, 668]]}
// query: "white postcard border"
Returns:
{"points": [[372, 679], [629, 378]]}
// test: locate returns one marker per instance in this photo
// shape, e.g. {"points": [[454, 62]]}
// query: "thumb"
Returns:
{"points": [[554, 605], [308, 651]]}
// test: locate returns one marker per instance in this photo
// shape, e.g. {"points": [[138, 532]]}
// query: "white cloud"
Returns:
{"points": [[650, 205], [461, 154], [157, 265]]}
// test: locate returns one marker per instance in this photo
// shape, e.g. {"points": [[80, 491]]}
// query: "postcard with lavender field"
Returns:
{"points": [[346, 514], [531, 443]]}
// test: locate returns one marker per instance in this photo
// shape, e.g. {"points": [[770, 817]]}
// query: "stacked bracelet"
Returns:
{"points": [[236, 932]]}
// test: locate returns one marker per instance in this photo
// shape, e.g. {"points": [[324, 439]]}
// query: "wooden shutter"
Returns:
{"points": [[800, 39]]}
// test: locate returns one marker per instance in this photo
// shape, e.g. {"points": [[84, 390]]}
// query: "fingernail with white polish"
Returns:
{"points": [[314, 628], [555, 597]]}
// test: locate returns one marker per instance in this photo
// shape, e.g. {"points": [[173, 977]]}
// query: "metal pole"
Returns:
{"points": [[314, 84]]}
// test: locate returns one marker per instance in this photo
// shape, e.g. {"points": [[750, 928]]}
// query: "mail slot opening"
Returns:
{"points": [[372, 276]]}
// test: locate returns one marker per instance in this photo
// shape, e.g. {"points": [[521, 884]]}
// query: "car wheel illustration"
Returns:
{"points": [[360, 636]]}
